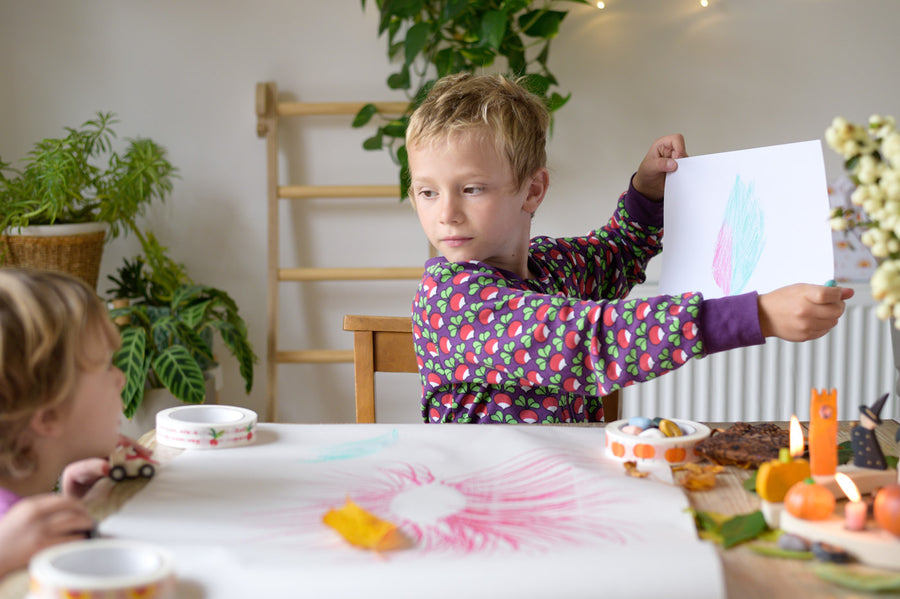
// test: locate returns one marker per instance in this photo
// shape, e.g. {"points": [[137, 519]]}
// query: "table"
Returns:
{"points": [[747, 574]]}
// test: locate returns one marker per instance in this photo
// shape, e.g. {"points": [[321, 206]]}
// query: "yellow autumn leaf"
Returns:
{"points": [[364, 529]]}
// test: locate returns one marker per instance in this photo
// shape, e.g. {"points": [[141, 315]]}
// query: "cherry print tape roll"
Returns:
{"points": [[206, 427], [673, 451], [102, 569]]}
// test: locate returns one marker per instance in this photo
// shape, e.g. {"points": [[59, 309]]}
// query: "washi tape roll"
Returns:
{"points": [[102, 569], [672, 451], [205, 427]]}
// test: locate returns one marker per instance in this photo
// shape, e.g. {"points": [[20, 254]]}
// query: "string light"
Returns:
{"points": [[601, 5], [704, 3]]}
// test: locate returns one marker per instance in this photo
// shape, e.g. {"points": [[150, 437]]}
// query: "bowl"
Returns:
{"points": [[672, 451]]}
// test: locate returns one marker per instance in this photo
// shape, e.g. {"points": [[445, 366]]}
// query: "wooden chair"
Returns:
{"points": [[385, 344], [380, 344]]}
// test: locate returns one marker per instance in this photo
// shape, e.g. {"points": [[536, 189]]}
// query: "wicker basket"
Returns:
{"points": [[78, 255]]}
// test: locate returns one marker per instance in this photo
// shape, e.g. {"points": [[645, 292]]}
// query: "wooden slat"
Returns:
{"points": [[314, 356], [394, 324], [336, 108], [374, 273], [306, 192]]}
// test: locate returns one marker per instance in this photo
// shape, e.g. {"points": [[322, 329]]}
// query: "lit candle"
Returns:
{"points": [[855, 511], [775, 477]]}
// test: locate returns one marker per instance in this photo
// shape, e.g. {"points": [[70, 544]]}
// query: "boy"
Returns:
{"points": [[513, 329]]}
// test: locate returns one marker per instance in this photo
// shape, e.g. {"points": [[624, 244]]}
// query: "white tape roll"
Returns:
{"points": [[102, 569], [206, 427]]}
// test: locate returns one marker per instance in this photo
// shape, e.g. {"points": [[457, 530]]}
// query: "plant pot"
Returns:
{"points": [[76, 249], [156, 400]]}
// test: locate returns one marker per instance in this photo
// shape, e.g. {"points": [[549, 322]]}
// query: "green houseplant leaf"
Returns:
{"points": [[80, 178], [179, 373], [168, 327], [439, 37]]}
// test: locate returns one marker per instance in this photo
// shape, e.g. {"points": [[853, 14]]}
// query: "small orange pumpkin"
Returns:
{"points": [[618, 449], [644, 451], [676, 454], [809, 500], [887, 509]]}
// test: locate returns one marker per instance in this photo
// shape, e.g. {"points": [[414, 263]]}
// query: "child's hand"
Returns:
{"points": [[79, 477], [650, 179], [801, 312], [37, 522]]}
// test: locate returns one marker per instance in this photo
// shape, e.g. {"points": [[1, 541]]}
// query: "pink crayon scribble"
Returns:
{"points": [[721, 269], [533, 503]]}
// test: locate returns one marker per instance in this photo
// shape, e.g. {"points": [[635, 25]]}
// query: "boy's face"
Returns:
{"points": [[468, 203], [93, 411]]}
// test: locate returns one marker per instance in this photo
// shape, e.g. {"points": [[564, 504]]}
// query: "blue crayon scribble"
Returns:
{"points": [[355, 449], [741, 239]]}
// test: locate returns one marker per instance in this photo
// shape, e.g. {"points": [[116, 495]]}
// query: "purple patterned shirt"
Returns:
{"points": [[492, 347]]}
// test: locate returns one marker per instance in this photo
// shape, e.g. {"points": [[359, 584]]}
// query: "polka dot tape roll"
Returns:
{"points": [[206, 427], [102, 569]]}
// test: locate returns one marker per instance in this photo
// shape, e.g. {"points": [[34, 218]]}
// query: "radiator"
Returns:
{"points": [[773, 381]]}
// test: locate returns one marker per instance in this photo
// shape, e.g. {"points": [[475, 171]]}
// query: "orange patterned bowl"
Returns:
{"points": [[674, 451]]}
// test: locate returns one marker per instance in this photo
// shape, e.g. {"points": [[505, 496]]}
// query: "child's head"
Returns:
{"points": [[507, 114], [56, 377], [476, 158]]}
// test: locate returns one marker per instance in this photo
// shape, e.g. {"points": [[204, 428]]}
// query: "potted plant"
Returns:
{"points": [[436, 38], [78, 180], [168, 327]]}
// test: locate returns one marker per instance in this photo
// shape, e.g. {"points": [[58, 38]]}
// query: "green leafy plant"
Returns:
{"points": [[434, 38], [64, 180], [168, 327]]}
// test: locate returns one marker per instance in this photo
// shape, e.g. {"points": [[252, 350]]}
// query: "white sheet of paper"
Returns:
{"points": [[495, 511], [750, 220]]}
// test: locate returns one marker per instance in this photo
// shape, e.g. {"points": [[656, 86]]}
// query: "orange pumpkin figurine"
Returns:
{"points": [[887, 509], [809, 500]]}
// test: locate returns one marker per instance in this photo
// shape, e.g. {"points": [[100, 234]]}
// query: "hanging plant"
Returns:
{"points": [[435, 38]]}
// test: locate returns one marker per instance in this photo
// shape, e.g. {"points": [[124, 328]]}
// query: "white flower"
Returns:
{"points": [[872, 155]]}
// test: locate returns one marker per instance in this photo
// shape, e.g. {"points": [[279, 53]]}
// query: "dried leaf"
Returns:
{"points": [[696, 477], [364, 529], [631, 470]]}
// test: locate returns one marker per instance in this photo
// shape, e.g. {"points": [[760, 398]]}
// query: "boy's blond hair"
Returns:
{"points": [[513, 118], [45, 321]]}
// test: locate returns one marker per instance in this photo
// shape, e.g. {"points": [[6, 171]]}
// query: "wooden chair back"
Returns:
{"points": [[380, 344], [385, 344]]}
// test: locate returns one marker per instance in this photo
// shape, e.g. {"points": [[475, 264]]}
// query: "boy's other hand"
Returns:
{"points": [[801, 312], [37, 522], [650, 179]]}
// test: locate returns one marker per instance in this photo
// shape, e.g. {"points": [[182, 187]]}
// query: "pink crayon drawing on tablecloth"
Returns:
{"points": [[532, 503]]}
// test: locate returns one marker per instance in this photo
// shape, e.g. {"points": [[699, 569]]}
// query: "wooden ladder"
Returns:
{"points": [[268, 111]]}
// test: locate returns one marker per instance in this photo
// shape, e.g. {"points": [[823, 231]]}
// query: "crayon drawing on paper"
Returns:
{"points": [[741, 239], [751, 220]]}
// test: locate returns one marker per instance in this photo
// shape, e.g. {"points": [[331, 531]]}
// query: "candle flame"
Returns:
{"points": [[796, 438], [847, 486]]}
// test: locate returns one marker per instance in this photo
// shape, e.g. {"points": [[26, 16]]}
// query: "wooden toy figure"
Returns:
{"points": [[866, 450], [823, 432]]}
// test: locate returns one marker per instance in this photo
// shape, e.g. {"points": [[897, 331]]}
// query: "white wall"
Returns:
{"points": [[739, 74]]}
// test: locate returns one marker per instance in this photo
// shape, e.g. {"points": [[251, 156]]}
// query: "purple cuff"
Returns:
{"points": [[643, 209], [730, 322]]}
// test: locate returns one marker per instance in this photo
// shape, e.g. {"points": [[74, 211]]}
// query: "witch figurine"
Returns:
{"points": [[866, 450]]}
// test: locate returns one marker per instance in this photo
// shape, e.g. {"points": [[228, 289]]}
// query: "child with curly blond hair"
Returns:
{"points": [[60, 403]]}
